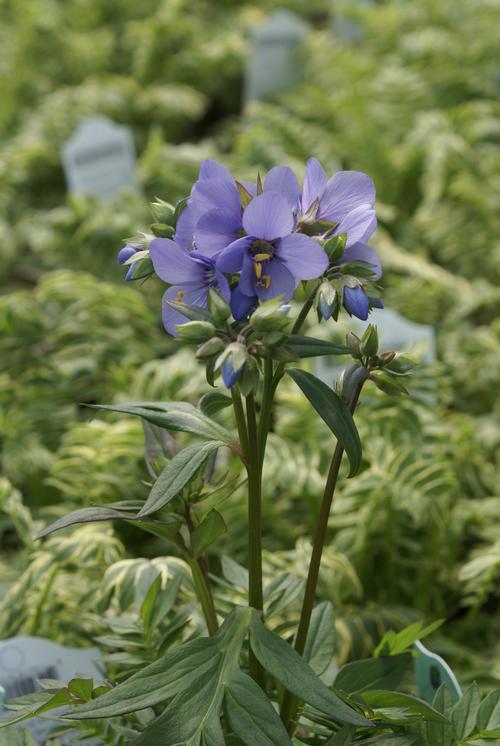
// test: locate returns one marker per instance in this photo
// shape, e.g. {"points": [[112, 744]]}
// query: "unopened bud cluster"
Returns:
{"points": [[387, 370], [235, 351]]}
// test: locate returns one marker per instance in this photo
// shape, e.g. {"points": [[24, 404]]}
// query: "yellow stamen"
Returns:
{"points": [[267, 280], [180, 296], [261, 257], [258, 270]]}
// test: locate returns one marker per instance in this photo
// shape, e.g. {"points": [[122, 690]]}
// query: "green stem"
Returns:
{"points": [[280, 369], [290, 704], [254, 471], [267, 408], [240, 421], [204, 596]]}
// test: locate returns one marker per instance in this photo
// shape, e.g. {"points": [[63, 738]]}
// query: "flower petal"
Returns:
{"points": [[223, 286], [212, 170], [356, 302], [172, 263], [215, 230], [222, 194], [268, 216], [302, 256], [282, 282], [241, 304], [314, 183], [248, 277], [184, 230], [345, 191], [282, 179], [231, 258], [195, 294], [361, 252], [358, 224]]}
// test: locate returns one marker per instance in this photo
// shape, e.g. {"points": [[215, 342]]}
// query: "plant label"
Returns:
{"points": [[99, 158], [25, 660], [274, 64]]}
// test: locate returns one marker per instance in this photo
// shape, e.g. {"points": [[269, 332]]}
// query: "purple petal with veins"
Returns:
{"points": [[345, 191], [282, 179], [314, 183], [174, 264], [303, 257], [268, 217]]}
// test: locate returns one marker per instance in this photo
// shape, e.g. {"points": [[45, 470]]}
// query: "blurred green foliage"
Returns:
{"points": [[415, 103]]}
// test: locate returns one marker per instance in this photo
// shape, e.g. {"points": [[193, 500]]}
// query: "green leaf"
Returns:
{"points": [[177, 473], [194, 714], [320, 645], [488, 716], [41, 704], [251, 714], [149, 601], [465, 711], [334, 412], [81, 688], [180, 417], [180, 671], [397, 708], [165, 600], [207, 532], [311, 347], [287, 666], [164, 527], [373, 673], [394, 643], [213, 402]]}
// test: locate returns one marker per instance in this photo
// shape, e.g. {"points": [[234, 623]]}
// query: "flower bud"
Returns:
{"points": [[210, 348], [163, 212], [249, 379], [195, 331], [219, 309], [326, 299], [270, 316], [400, 364], [369, 341], [231, 362], [162, 230], [387, 384], [270, 339], [353, 341]]}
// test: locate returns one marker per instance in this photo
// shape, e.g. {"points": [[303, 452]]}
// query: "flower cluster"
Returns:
{"points": [[254, 242]]}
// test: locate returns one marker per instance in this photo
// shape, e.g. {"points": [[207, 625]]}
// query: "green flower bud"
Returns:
{"points": [[369, 341], [163, 212], [249, 379], [270, 339], [210, 348], [387, 384], [195, 331], [219, 309], [354, 342], [327, 300], [162, 230], [400, 364], [270, 316]]}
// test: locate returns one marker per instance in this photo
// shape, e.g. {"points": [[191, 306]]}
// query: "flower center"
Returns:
{"points": [[262, 252]]}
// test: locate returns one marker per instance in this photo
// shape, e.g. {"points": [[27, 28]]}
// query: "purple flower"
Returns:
{"points": [[190, 274], [347, 198], [123, 255], [212, 218], [272, 259]]}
